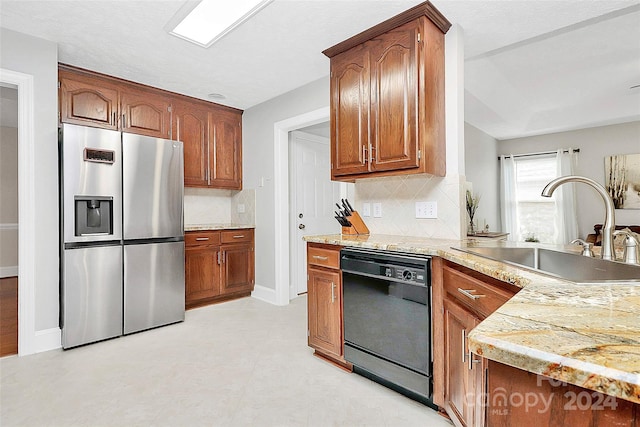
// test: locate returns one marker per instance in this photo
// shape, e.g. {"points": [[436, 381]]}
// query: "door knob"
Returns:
{"points": [[301, 226]]}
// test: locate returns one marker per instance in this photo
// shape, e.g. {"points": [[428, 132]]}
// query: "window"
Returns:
{"points": [[525, 213], [535, 214]]}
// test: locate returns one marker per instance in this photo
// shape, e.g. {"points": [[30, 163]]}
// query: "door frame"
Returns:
{"points": [[281, 131], [26, 209]]}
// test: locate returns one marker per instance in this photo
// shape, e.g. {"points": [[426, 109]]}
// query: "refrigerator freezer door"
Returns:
{"points": [[153, 285], [153, 187], [91, 295], [91, 167]]}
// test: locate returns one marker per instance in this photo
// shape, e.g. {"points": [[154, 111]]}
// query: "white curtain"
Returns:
{"points": [[508, 204], [566, 218]]}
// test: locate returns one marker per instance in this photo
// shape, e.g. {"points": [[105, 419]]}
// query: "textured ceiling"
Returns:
{"points": [[279, 49]]}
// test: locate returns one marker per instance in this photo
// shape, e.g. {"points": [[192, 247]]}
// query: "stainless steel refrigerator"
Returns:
{"points": [[122, 238]]}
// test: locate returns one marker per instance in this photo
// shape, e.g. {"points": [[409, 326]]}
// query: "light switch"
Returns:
{"points": [[426, 209], [377, 210], [240, 208], [366, 209]]}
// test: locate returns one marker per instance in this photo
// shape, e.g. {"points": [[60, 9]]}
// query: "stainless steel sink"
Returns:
{"points": [[568, 266]]}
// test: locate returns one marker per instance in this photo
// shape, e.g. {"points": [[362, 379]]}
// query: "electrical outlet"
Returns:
{"points": [[426, 210], [240, 208], [377, 210], [366, 209]]}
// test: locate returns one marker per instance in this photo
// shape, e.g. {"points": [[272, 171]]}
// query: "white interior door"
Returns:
{"points": [[312, 200]]}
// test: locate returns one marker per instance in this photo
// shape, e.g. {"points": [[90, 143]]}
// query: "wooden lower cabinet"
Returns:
{"points": [[237, 268], [462, 298], [464, 379], [516, 398], [324, 303], [478, 392], [216, 270], [202, 273]]}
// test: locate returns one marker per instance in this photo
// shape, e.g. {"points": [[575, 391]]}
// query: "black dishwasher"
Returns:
{"points": [[387, 319]]}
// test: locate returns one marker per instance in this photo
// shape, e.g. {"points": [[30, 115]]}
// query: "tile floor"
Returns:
{"points": [[241, 363]]}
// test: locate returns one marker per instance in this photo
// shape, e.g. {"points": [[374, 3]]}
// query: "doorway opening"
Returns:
{"points": [[8, 220], [26, 207], [312, 197]]}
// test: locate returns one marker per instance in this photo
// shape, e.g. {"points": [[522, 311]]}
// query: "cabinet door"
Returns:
{"points": [[461, 382], [202, 273], [394, 98], [324, 301], [191, 127], [87, 101], [350, 112], [145, 112], [237, 268], [225, 150]]}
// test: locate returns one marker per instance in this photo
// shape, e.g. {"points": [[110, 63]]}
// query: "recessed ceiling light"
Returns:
{"points": [[216, 96], [212, 19]]}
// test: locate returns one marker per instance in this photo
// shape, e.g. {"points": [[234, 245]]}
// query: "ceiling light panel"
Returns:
{"points": [[210, 20]]}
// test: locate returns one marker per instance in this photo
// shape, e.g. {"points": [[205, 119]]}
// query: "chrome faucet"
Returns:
{"points": [[609, 215]]}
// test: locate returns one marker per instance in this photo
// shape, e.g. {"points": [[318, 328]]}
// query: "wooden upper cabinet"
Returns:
{"points": [[350, 112], [225, 150], [85, 100], [394, 93], [191, 127], [387, 98], [145, 112]]}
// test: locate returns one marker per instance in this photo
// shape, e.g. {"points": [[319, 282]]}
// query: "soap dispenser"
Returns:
{"points": [[630, 252]]}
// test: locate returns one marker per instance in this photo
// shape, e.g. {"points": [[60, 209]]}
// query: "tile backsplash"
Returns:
{"points": [[216, 206], [207, 206], [398, 196], [245, 200]]}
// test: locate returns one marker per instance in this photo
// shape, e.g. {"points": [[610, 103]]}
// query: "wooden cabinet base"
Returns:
{"points": [[516, 398], [340, 363], [216, 300]]}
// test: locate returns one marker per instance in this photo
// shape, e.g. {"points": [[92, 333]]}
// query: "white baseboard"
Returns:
{"points": [[8, 271], [264, 294], [47, 339]]}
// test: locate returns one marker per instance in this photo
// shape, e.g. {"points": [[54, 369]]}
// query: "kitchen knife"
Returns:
{"points": [[349, 205], [346, 208]]}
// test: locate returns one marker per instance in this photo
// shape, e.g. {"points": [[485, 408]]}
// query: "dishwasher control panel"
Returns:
{"points": [[406, 274]]}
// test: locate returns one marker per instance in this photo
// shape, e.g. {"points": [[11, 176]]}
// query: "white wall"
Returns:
{"points": [[39, 58], [258, 163], [595, 144], [483, 172]]}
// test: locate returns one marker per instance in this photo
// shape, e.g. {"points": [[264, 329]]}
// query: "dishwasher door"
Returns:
{"points": [[387, 319]]}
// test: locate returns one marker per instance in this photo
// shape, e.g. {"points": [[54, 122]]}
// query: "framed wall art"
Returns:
{"points": [[622, 180]]}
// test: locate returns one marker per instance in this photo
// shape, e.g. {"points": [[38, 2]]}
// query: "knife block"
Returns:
{"points": [[357, 225]]}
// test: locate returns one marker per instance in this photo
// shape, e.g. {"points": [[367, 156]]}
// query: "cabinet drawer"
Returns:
{"points": [[481, 297], [236, 236], [202, 238], [323, 257]]}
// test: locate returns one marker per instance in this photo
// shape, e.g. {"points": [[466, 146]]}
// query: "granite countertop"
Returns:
{"points": [[219, 226], [587, 335]]}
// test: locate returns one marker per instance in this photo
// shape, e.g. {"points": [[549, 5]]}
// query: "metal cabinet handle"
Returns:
{"points": [[364, 154], [218, 257], [321, 258], [202, 239], [472, 360], [467, 293], [371, 156], [464, 345], [333, 292], [239, 236]]}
